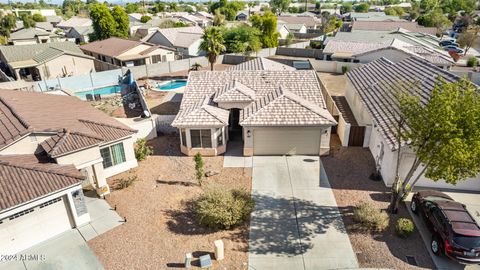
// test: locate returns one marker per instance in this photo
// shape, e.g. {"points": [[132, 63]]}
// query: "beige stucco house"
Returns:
{"points": [[271, 108], [128, 53], [44, 61], [52, 147]]}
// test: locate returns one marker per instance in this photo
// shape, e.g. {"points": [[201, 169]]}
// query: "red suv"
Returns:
{"points": [[454, 231]]}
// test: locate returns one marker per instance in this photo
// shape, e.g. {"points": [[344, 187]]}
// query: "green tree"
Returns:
{"points": [[131, 8], [121, 18], [362, 7], [289, 39], [28, 21], [7, 23], [104, 25], [267, 24], [39, 18], [443, 132], [330, 23], [345, 8], [145, 18], [199, 171], [467, 38], [242, 39], [280, 6], [212, 44], [435, 19], [219, 19]]}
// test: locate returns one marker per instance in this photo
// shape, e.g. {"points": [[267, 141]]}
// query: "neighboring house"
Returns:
{"points": [[242, 16], [47, 26], [204, 15], [309, 21], [33, 35], [370, 16], [271, 109], [74, 22], [391, 26], [54, 20], [43, 12], [128, 53], [50, 147], [194, 20], [395, 50], [45, 61], [296, 28], [185, 40], [261, 63], [136, 17], [371, 98], [282, 30], [81, 34]]}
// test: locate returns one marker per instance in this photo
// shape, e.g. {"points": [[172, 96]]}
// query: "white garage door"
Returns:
{"points": [[286, 141], [32, 226]]}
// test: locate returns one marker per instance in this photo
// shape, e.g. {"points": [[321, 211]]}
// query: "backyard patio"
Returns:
{"points": [[160, 229]]}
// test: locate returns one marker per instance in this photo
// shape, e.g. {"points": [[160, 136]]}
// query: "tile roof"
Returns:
{"points": [[115, 46], [23, 178], [375, 83], [261, 63], [75, 21], [309, 21], [24, 53], [302, 85], [353, 47], [44, 25], [204, 113], [180, 36], [83, 30], [392, 25], [234, 92], [73, 123]]}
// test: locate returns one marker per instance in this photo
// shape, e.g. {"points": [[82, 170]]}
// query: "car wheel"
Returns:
{"points": [[414, 206], [436, 245]]}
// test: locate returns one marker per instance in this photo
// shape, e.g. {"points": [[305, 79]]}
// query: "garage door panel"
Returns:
{"points": [[34, 227], [286, 141]]}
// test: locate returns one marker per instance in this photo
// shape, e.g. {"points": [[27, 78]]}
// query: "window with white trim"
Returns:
{"points": [[184, 137], [113, 155], [220, 137], [201, 138]]}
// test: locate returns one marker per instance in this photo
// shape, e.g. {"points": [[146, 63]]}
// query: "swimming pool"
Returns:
{"points": [[101, 91], [172, 85]]}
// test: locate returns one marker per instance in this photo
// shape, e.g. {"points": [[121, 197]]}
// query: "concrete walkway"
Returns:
{"points": [[296, 223], [234, 158]]}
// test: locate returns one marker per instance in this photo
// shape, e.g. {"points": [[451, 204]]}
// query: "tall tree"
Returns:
{"points": [[219, 19], [436, 19], [242, 39], [212, 44], [7, 23], [345, 8], [121, 18], [443, 132], [280, 6], [267, 24], [104, 25]]}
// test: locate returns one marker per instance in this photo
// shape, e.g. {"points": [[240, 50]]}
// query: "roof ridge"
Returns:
{"points": [[15, 113], [38, 169], [307, 104], [105, 124]]}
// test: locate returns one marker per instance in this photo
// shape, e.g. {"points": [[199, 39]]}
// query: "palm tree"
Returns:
{"points": [[212, 44]]}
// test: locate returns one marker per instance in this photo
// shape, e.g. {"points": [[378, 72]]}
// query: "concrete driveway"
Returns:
{"points": [[471, 200], [296, 223]]}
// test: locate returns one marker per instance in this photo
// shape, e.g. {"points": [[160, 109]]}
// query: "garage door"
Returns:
{"points": [[32, 226], [286, 141]]}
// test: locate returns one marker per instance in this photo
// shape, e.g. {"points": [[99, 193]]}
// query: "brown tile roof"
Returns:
{"points": [[392, 25], [23, 178], [234, 91], [309, 21], [66, 141], [25, 112], [115, 46], [204, 113]]}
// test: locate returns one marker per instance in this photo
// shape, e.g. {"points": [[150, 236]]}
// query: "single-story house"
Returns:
{"points": [[242, 16], [391, 26], [185, 40], [54, 20], [275, 111], [128, 53], [190, 19], [370, 16], [45, 61], [261, 63], [74, 22], [296, 28], [51, 147], [44, 12], [81, 34], [33, 35], [47, 26], [395, 50], [309, 21], [283, 31], [372, 103]]}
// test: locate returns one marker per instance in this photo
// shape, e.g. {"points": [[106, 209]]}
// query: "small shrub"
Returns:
{"points": [[142, 150], [472, 62], [219, 208], [344, 69], [370, 217], [199, 172], [404, 227], [126, 181]]}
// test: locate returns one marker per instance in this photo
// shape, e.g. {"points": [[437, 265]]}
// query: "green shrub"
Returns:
{"points": [[344, 69], [199, 172], [219, 208], [125, 182], [472, 62], [404, 227], [370, 217], [142, 150]]}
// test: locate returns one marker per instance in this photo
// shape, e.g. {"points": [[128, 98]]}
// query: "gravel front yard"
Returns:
{"points": [[159, 230], [348, 171]]}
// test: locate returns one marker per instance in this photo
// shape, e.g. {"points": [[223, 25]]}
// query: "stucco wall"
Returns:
{"points": [[130, 160], [25, 146], [74, 66], [159, 39], [194, 50]]}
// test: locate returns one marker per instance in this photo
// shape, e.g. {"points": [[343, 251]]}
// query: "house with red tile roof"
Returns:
{"points": [[51, 148]]}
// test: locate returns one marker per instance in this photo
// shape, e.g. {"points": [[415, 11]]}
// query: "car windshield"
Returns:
{"points": [[467, 241], [436, 198]]}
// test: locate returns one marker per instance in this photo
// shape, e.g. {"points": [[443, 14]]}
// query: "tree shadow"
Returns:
{"points": [[174, 182]]}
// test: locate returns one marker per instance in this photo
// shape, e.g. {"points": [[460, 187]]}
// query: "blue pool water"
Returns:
{"points": [[172, 85], [102, 91]]}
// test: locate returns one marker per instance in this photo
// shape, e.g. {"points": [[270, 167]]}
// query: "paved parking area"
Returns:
{"points": [[296, 223], [69, 250], [472, 201]]}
